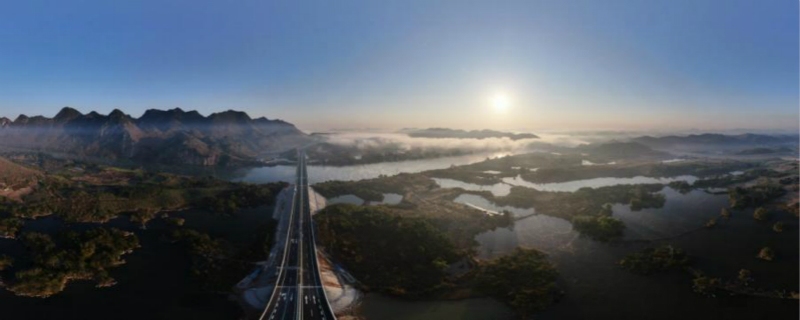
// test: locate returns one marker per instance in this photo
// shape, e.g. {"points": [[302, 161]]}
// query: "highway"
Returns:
{"points": [[298, 291]]}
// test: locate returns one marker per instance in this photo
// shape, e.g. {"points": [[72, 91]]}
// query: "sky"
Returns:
{"points": [[566, 64]]}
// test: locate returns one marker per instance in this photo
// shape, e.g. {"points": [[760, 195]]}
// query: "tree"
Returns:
{"points": [[766, 254], [5, 262], [524, 279], [725, 213], [602, 228], [760, 214], [606, 210], [705, 285], [745, 276]]}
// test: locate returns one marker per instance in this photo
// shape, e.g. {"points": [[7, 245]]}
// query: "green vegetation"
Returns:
{"points": [[204, 251], [15, 177], [606, 210], [655, 260], [245, 195], [524, 279], [589, 209], [332, 154], [101, 194], [5, 262], [10, 226], [387, 252], [567, 167], [760, 214], [725, 213], [642, 199], [373, 189], [745, 197], [793, 208], [461, 225], [681, 186], [601, 228], [456, 221], [706, 285], [218, 264], [745, 277], [766, 254], [175, 221], [76, 256], [585, 201], [726, 180], [568, 173]]}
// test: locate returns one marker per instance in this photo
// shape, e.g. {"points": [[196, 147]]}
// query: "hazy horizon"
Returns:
{"points": [[400, 127], [519, 66]]}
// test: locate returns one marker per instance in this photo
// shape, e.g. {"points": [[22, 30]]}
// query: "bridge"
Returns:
{"points": [[298, 292]]}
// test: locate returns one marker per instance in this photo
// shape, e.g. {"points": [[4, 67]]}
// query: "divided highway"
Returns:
{"points": [[298, 292]]}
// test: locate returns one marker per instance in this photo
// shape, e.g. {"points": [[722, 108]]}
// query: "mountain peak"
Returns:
{"points": [[166, 120], [67, 114], [170, 136], [21, 119], [230, 116], [117, 113]]}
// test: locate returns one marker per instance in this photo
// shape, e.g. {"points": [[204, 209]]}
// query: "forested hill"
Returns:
{"points": [[174, 136]]}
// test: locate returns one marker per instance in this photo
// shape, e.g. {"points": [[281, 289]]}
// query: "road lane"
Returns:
{"points": [[299, 291]]}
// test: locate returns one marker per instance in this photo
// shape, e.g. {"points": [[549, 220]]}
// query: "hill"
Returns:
{"points": [[716, 140], [614, 150], [16, 180], [173, 137]]}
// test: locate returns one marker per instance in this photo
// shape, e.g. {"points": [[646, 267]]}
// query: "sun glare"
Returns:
{"points": [[500, 102]]}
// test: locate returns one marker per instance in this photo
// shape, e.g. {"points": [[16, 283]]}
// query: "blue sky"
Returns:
{"points": [[616, 64]]}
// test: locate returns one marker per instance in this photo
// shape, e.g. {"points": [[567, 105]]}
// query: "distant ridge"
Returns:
{"points": [[716, 139], [441, 133], [160, 136]]}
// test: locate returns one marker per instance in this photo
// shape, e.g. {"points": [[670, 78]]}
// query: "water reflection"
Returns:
{"points": [[499, 190], [572, 186], [376, 306], [486, 205], [681, 213], [318, 174], [388, 199], [543, 232], [348, 198]]}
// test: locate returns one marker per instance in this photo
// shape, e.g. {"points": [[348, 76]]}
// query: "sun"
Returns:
{"points": [[500, 102]]}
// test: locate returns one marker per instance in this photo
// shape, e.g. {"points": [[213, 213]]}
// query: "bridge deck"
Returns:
{"points": [[298, 292]]}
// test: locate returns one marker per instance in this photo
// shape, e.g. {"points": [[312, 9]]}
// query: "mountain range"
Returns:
{"points": [[716, 140], [173, 137]]}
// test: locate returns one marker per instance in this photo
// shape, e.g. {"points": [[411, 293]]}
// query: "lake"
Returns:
{"points": [[572, 186], [597, 288], [317, 174]]}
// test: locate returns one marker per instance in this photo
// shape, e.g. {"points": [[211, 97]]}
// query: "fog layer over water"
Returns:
{"points": [[317, 174]]}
